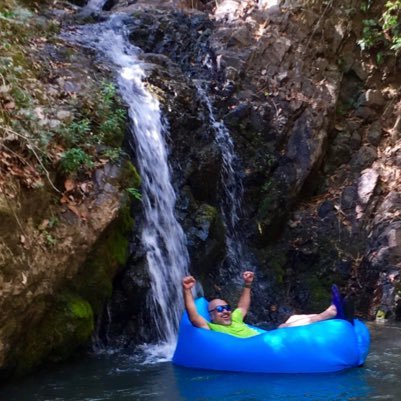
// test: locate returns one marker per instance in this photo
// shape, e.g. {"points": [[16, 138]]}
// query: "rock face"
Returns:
{"points": [[304, 113], [43, 310], [62, 237]]}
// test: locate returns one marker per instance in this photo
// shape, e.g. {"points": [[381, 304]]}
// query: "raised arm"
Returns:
{"points": [[196, 319], [245, 299]]}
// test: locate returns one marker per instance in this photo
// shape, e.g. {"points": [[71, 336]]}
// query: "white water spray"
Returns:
{"points": [[231, 184], [162, 236], [94, 5]]}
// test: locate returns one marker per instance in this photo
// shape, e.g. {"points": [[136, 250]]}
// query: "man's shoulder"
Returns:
{"points": [[237, 316]]}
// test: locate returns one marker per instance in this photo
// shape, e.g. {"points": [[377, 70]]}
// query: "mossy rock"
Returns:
{"points": [[66, 326], [95, 278], [129, 177], [320, 293], [277, 266], [206, 215], [69, 322]]}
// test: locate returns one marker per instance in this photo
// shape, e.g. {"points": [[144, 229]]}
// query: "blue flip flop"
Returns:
{"points": [[337, 301]]}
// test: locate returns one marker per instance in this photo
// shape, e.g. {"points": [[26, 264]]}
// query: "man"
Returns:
{"points": [[232, 322]]}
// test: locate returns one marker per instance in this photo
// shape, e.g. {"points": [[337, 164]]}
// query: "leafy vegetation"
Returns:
{"points": [[73, 159], [101, 121], [381, 28], [44, 130], [135, 193]]}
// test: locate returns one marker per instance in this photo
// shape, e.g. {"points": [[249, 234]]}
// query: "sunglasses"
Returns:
{"points": [[221, 308]]}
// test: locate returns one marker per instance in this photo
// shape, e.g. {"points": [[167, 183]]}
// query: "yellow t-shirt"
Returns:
{"points": [[237, 327]]}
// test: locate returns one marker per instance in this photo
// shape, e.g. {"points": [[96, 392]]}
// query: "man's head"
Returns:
{"points": [[220, 312]]}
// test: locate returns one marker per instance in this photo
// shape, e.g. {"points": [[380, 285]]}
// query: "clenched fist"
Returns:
{"points": [[188, 282], [248, 277]]}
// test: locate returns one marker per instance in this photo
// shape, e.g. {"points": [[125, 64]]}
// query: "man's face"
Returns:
{"points": [[219, 317]]}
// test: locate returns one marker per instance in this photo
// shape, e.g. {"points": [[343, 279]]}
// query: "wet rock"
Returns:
{"points": [[235, 116], [304, 148], [340, 150], [364, 157], [366, 113], [344, 267], [355, 141], [360, 69], [232, 73], [371, 98], [382, 267], [241, 37], [348, 198], [350, 89], [374, 133], [281, 47], [325, 208]]}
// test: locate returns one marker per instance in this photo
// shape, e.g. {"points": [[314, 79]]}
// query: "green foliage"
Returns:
{"points": [[130, 180], [113, 121], [113, 154], [135, 193], [391, 20], [111, 115], [371, 34], [109, 93], [101, 122], [383, 30], [365, 5], [50, 240], [73, 159], [77, 132], [29, 111]]}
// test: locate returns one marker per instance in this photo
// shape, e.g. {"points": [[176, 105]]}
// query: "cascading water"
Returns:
{"points": [[231, 184], [162, 237], [94, 5]]}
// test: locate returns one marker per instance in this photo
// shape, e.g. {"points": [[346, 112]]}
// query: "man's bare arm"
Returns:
{"points": [[245, 299], [196, 319]]}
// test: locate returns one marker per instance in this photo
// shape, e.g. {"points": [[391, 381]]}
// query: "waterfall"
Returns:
{"points": [[231, 184], [94, 5], [162, 237]]}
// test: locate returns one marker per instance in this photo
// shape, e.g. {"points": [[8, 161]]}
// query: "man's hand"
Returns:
{"points": [[196, 319], [188, 282], [245, 298], [248, 277]]}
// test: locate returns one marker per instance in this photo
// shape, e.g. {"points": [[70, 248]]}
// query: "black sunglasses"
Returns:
{"points": [[221, 308]]}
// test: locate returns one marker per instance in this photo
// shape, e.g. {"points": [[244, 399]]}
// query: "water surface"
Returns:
{"points": [[120, 377]]}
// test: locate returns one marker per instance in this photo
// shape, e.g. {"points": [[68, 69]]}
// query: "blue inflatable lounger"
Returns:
{"points": [[326, 346]]}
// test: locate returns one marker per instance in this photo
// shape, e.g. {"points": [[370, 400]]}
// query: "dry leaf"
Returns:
{"points": [[64, 199], [69, 185], [85, 187], [84, 215]]}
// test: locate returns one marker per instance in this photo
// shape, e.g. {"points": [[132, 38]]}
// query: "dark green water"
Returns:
{"points": [[126, 378]]}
